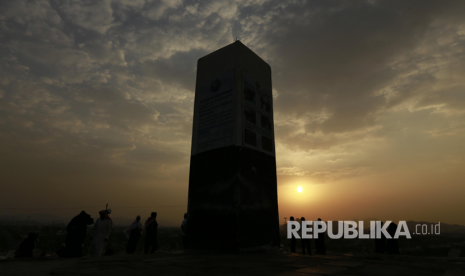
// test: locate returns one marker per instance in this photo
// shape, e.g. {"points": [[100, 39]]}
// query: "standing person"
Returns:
{"points": [[392, 247], [184, 231], [76, 229], [133, 234], [102, 230], [320, 243], [305, 242], [380, 244], [293, 239], [151, 228], [27, 246]]}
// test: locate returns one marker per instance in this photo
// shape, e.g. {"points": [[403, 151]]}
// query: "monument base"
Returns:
{"points": [[232, 200]]}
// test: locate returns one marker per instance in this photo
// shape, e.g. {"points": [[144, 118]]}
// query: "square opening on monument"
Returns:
{"points": [[250, 116], [249, 96], [250, 137]]}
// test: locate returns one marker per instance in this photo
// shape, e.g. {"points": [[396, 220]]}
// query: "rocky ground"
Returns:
{"points": [[258, 263]]}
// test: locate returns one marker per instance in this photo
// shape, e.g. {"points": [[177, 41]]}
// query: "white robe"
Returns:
{"points": [[134, 225], [102, 229]]}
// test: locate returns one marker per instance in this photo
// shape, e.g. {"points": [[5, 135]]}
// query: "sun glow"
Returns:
{"points": [[299, 189]]}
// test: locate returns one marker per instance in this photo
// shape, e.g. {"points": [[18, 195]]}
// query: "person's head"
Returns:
{"points": [[104, 214], [185, 216], [319, 219], [302, 219], [138, 218], [153, 215], [291, 218], [85, 218]]}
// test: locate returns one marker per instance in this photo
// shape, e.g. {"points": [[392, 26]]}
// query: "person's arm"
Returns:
{"points": [[183, 226], [132, 226]]}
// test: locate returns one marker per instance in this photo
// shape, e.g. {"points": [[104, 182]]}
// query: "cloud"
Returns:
{"points": [[91, 15], [338, 66], [178, 70]]}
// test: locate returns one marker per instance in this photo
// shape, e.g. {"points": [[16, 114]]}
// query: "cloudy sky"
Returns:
{"points": [[96, 104]]}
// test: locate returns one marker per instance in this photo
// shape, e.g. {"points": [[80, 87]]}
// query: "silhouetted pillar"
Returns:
{"points": [[233, 201]]}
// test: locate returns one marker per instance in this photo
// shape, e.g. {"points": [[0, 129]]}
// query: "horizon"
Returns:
{"points": [[45, 218]]}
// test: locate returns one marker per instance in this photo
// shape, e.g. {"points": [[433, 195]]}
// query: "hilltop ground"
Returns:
{"points": [[423, 255], [258, 263]]}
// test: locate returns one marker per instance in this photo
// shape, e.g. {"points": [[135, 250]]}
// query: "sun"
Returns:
{"points": [[299, 189]]}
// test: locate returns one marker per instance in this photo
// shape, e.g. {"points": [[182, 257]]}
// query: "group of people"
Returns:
{"points": [[101, 231], [382, 245], [77, 230], [135, 230], [306, 243]]}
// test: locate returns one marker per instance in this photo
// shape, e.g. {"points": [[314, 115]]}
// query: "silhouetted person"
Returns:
{"points": [[293, 239], [76, 229], [392, 247], [133, 234], [27, 246], [151, 228], [306, 244], [320, 243], [380, 244], [102, 230], [184, 231]]}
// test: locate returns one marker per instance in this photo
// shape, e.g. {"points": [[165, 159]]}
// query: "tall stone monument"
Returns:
{"points": [[233, 200]]}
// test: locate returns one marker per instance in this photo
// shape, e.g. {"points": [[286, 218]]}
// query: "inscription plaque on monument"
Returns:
{"points": [[215, 125]]}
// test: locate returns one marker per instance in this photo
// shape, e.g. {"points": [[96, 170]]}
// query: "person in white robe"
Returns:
{"points": [[133, 234], [100, 234], [134, 225]]}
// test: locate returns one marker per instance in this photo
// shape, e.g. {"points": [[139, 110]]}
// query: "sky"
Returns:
{"points": [[97, 97]]}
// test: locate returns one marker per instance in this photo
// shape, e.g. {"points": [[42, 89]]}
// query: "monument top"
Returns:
{"points": [[233, 101], [237, 45], [235, 56]]}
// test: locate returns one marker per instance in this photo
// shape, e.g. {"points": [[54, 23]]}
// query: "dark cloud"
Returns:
{"points": [[178, 70]]}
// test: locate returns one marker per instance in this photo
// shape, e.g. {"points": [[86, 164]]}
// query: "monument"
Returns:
{"points": [[233, 201]]}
